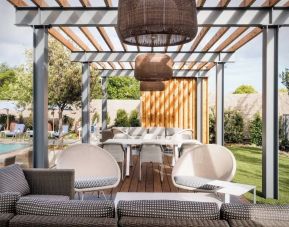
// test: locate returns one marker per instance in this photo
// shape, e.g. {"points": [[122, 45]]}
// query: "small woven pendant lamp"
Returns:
{"points": [[152, 86], [156, 23]]}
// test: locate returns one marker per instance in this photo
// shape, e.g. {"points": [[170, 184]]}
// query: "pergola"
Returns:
{"points": [[85, 28]]}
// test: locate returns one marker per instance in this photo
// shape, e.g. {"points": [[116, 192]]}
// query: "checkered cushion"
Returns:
{"points": [[257, 211], [13, 180], [60, 221], [28, 206], [257, 223], [48, 197], [94, 182], [195, 182], [8, 202], [168, 209], [170, 222]]}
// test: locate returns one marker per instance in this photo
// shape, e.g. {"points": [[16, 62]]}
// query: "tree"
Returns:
{"points": [[285, 79], [123, 88], [64, 86], [245, 89]]}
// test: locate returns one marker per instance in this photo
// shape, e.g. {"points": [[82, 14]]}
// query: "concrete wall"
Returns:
{"points": [[95, 106], [250, 104]]}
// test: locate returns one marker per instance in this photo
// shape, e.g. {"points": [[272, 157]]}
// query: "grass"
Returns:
{"points": [[249, 171]]}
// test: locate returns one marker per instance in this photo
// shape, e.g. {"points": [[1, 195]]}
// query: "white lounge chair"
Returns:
{"points": [[18, 131], [95, 168], [188, 146], [197, 167], [65, 130]]}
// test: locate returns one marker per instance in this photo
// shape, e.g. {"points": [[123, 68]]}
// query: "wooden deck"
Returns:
{"points": [[151, 180]]}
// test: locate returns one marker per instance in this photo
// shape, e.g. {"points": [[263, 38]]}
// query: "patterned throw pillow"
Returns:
{"points": [[94, 182], [77, 208], [12, 179], [168, 209], [8, 202]]}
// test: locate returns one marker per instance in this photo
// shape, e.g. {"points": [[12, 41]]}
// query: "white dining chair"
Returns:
{"points": [[151, 153]]}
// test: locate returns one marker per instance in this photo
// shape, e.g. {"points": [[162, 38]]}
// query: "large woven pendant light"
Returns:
{"points": [[157, 23], [153, 67], [152, 86]]}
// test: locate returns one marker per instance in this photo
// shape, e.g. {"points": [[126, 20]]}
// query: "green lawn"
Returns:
{"points": [[249, 171]]}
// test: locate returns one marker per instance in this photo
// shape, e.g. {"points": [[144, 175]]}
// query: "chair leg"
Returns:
{"points": [[139, 170], [122, 170], [102, 192], [82, 195], [162, 172]]}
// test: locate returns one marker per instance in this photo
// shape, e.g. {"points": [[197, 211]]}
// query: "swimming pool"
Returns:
{"points": [[7, 148]]}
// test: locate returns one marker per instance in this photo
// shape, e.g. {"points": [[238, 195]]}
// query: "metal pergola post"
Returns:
{"points": [[40, 97], [270, 112], [220, 103], [200, 109], [104, 102], [85, 101]]}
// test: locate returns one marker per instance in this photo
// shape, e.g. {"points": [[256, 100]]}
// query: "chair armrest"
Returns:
{"points": [[50, 182]]}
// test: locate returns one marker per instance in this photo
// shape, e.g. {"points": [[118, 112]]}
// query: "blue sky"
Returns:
{"points": [[247, 68]]}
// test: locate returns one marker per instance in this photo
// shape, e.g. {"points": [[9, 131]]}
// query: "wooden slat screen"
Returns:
{"points": [[175, 107]]}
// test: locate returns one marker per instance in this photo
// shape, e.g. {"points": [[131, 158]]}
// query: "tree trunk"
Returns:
{"points": [[7, 121], [60, 121]]}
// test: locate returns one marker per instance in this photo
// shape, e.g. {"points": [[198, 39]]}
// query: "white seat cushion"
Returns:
{"points": [[195, 182], [94, 182]]}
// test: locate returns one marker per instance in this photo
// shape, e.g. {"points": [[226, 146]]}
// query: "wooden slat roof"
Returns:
{"points": [[99, 39]]}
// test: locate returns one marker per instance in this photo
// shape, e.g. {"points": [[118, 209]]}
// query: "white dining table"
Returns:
{"points": [[128, 143]]}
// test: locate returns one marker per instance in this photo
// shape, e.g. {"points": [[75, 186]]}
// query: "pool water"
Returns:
{"points": [[6, 148]]}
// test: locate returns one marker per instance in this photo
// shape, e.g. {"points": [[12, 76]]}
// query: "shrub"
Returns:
{"points": [[212, 126], [255, 130], [134, 120], [121, 119], [233, 126], [283, 133], [95, 118]]}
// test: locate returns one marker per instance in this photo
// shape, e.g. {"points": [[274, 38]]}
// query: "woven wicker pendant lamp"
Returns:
{"points": [[153, 67], [157, 23], [152, 86]]}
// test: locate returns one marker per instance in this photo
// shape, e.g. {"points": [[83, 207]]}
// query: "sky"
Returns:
{"points": [[246, 69]]}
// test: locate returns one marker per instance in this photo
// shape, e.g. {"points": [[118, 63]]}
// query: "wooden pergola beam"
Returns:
{"points": [[106, 38], [108, 3], [75, 38], [52, 31], [57, 35], [238, 32], [91, 38], [40, 3], [246, 39], [201, 3], [18, 3], [63, 3], [85, 3]]}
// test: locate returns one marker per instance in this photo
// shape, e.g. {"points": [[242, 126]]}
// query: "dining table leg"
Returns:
{"points": [[128, 152]]}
